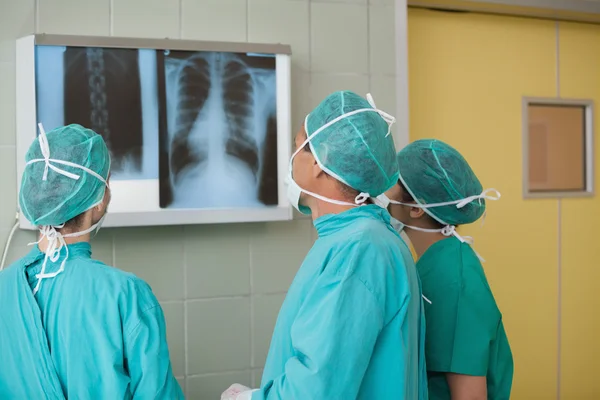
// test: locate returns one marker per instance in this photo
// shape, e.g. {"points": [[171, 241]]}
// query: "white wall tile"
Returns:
{"points": [[74, 17], [155, 255], [383, 89], [218, 260], [174, 318], [266, 310], [301, 105], [382, 40], [280, 21], [256, 377], [210, 387], [322, 85], [16, 20], [339, 38], [219, 20], [278, 250], [19, 246], [382, 2], [181, 382], [7, 104], [218, 336], [8, 199], [146, 18], [102, 246]]}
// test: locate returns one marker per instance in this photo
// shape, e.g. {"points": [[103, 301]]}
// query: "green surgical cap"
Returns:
{"points": [[357, 148], [435, 172], [60, 198]]}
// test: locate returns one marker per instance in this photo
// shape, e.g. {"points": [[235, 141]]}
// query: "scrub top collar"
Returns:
{"points": [[423, 264], [76, 250], [81, 249], [332, 223]]}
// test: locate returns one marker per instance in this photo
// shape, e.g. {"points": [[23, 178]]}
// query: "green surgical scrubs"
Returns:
{"points": [[465, 333]]}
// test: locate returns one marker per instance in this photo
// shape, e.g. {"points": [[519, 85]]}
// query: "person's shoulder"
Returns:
{"points": [[372, 234], [374, 251], [126, 281], [100, 270], [448, 262], [8, 273]]}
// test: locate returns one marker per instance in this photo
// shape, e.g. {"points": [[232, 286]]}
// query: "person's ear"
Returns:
{"points": [[416, 212]]}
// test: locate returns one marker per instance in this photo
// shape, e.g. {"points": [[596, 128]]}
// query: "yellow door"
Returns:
{"points": [[467, 76], [579, 73]]}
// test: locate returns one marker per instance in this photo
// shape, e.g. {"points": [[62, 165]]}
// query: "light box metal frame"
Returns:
{"points": [[26, 124]]}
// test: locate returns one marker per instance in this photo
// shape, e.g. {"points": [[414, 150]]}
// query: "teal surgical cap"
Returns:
{"points": [[357, 149], [65, 175], [434, 172]]}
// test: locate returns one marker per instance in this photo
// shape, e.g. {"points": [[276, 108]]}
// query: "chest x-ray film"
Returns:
{"points": [[219, 142], [194, 136]]}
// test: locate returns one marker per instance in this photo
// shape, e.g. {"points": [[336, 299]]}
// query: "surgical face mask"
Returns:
{"points": [[397, 225], [294, 191], [56, 240]]}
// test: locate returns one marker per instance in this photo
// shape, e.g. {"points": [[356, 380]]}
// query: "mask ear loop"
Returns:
{"points": [[449, 230]]}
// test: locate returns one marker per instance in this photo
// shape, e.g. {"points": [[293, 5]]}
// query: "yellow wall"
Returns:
{"points": [[580, 218], [468, 74]]}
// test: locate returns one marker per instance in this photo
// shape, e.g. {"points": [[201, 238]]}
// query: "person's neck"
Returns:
{"points": [[43, 244], [421, 241], [320, 208]]}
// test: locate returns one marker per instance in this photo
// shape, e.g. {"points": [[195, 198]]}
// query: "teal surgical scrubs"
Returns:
{"points": [[352, 323], [91, 332], [465, 333]]}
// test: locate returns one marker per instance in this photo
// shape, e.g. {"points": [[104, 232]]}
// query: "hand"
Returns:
{"points": [[237, 392]]}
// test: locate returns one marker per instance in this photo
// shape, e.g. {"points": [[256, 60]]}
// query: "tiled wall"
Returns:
{"points": [[221, 286]]}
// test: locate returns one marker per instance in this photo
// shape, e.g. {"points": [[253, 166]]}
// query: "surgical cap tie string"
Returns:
{"points": [[45, 149], [391, 120], [488, 194], [56, 240]]}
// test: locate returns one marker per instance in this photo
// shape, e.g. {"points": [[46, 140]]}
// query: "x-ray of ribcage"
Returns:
{"points": [[221, 121]]}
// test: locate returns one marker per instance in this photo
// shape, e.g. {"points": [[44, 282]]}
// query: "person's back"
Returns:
{"points": [[401, 282], [466, 334], [103, 328], [72, 327], [358, 255], [467, 350], [352, 322]]}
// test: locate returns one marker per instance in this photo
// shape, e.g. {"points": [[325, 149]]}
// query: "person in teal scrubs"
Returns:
{"points": [[467, 350], [71, 326], [352, 323]]}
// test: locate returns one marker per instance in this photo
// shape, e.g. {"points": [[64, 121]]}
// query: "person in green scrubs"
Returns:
{"points": [[467, 350]]}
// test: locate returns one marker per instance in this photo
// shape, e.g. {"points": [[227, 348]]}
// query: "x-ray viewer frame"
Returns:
{"points": [[130, 205]]}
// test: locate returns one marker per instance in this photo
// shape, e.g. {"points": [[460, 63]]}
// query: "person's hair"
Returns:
{"points": [[74, 224], [407, 198]]}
